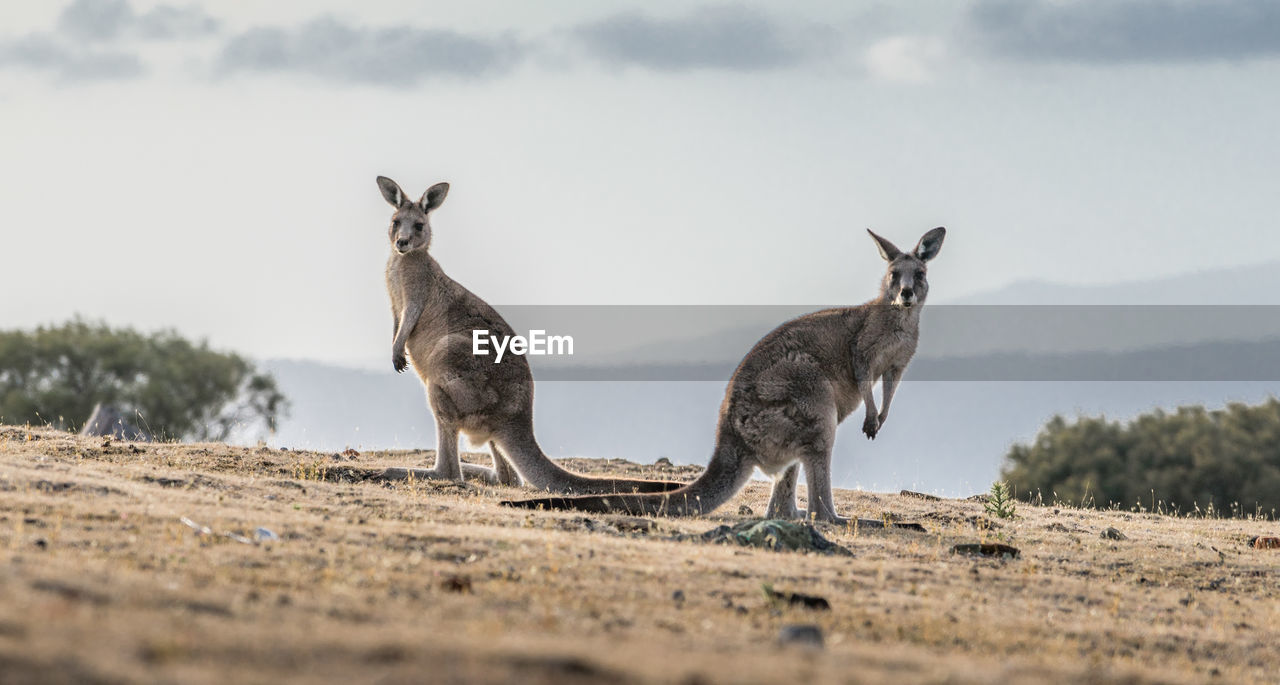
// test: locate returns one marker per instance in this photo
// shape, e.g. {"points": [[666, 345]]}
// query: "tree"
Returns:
{"points": [[176, 389], [1193, 457]]}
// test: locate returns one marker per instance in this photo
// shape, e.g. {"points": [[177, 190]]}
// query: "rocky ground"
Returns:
{"points": [[207, 563]]}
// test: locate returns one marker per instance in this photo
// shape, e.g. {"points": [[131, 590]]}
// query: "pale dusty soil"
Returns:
{"points": [[101, 582]]}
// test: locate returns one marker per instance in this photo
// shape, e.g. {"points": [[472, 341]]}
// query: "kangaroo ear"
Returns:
{"points": [[888, 250], [391, 192], [434, 197], [930, 244]]}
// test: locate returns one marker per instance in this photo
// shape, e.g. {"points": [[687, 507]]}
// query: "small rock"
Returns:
{"points": [[1264, 542], [633, 524], [678, 596], [988, 549], [744, 510], [350, 453], [776, 535], [901, 525], [662, 461], [1215, 584], [42, 544], [796, 599], [461, 584], [1113, 534], [920, 495], [199, 529], [264, 534], [805, 635]]}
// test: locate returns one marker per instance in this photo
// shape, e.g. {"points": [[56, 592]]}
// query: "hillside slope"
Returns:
{"points": [[102, 581]]}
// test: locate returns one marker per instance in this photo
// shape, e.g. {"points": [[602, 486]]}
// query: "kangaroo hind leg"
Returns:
{"points": [[817, 475], [506, 472], [815, 449], [448, 465], [782, 503]]}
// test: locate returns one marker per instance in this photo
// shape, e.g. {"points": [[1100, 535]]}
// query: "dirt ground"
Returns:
{"points": [[103, 581]]}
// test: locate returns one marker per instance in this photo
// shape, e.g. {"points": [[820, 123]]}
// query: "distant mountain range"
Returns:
{"points": [[1254, 284]]}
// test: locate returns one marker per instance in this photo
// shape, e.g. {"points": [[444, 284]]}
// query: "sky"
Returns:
{"points": [[210, 166]]}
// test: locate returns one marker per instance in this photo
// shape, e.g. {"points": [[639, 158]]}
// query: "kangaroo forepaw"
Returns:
{"points": [[399, 363], [871, 426]]}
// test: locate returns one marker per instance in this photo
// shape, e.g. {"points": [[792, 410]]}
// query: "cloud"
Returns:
{"points": [[1130, 31], [69, 53], [41, 52], [109, 20], [905, 59], [730, 38], [726, 38], [328, 48]]}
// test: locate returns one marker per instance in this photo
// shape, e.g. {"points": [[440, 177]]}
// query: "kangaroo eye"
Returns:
{"points": [[919, 275], [395, 223], [417, 226]]}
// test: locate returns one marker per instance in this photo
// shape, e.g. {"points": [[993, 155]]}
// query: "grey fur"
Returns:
{"points": [[790, 392], [433, 317]]}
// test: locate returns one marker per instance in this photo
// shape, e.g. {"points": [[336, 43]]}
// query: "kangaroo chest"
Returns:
{"points": [[870, 362], [894, 349], [416, 283]]}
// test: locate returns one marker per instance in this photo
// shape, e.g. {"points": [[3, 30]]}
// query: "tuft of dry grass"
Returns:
{"points": [[102, 582]]}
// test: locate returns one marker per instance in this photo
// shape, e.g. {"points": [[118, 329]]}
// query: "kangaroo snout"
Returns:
{"points": [[402, 244], [906, 297]]}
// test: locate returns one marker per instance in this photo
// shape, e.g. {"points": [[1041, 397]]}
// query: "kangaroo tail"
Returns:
{"points": [[537, 470], [726, 473]]}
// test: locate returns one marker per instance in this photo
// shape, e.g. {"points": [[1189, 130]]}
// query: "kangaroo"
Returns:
{"points": [[784, 401], [433, 316]]}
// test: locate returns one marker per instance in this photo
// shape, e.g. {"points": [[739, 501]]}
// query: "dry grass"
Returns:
{"points": [[101, 582]]}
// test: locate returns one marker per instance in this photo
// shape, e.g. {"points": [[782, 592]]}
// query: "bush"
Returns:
{"points": [[179, 390], [1193, 458]]}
